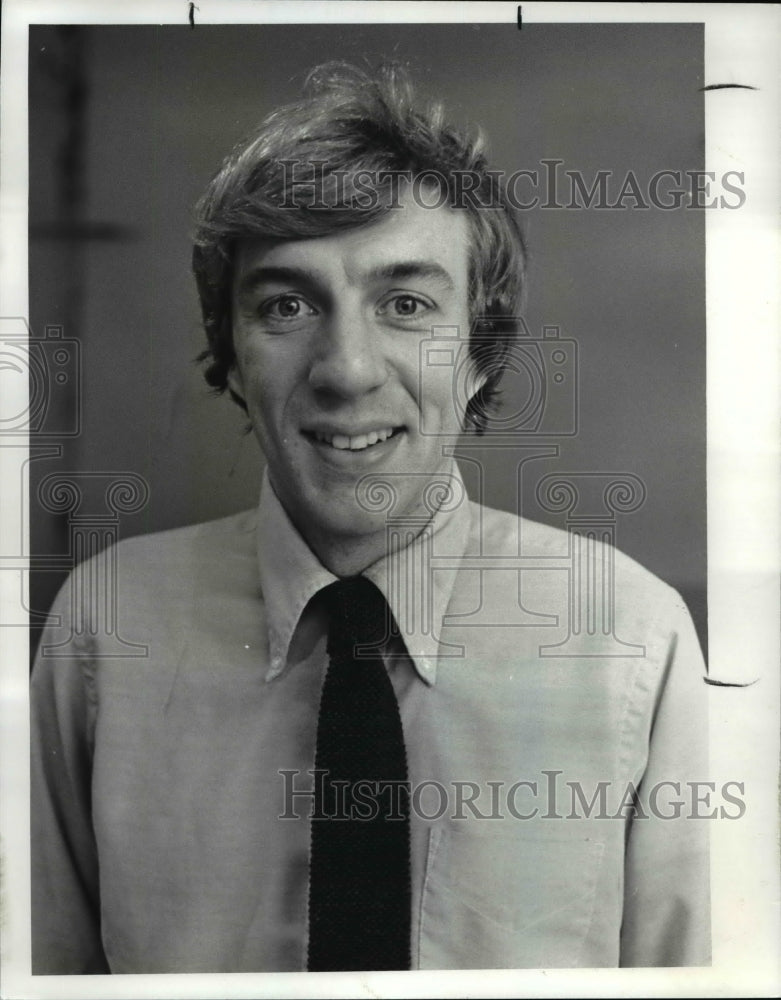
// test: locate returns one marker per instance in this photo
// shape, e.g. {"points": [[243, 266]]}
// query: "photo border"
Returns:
{"points": [[742, 264]]}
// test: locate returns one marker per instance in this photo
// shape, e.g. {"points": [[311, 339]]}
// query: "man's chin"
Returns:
{"points": [[349, 523], [347, 538]]}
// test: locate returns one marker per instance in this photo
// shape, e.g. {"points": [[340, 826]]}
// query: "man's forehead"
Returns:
{"points": [[430, 243]]}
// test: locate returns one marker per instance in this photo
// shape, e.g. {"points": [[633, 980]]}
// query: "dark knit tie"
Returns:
{"points": [[359, 890]]}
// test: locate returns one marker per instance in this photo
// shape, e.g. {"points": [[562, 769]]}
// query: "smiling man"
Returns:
{"points": [[348, 747]]}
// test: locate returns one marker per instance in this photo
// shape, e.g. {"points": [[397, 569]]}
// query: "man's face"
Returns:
{"points": [[327, 334]]}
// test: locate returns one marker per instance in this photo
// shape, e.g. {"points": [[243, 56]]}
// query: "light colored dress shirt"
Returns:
{"points": [[174, 724]]}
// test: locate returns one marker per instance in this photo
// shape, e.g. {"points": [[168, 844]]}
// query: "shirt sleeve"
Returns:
{"points": [[65, 879], [666, 918]]}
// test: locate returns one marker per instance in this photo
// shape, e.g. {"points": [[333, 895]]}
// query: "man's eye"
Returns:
{"points": [[406, 306], [286, 307]]}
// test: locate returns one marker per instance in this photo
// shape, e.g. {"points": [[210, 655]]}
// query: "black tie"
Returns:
{"points": [[359, 889]]}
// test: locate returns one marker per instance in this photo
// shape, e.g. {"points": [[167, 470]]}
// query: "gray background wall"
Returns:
{"points": [[128, 123]]}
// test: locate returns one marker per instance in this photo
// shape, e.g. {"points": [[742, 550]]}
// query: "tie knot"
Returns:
{"points": [[359, 612]]}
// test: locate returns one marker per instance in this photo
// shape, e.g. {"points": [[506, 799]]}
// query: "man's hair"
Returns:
{"points": [[327, 163]]}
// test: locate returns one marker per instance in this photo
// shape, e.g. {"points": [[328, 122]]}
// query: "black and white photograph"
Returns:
{"points": [[390, 500]]}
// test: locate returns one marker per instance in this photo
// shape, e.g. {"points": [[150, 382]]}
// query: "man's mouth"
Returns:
{"points": [[357, 442]]}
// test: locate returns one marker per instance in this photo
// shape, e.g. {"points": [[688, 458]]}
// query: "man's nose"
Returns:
{"points": [[349, 360]]}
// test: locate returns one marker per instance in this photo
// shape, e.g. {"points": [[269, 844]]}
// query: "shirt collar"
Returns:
{"points": [[291, 574]]}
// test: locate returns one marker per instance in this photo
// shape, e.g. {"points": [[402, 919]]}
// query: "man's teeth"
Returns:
{"points": [[358, 443]]}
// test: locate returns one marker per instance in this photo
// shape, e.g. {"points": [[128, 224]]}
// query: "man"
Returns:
{"points": [[190, 808]]}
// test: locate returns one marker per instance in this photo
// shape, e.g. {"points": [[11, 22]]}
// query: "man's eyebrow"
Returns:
{"points": [[393, 271], [403, 270], [270, 273]]}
